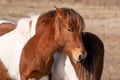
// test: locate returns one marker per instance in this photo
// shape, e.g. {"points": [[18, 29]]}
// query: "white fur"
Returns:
{"points": [[70, 72], [12, 44], [5, 21], [62, 68], [34, 21], [44, 78]]}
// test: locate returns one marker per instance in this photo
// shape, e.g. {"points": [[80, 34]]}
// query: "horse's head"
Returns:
{"points": [[68, 29], [63, 26]]}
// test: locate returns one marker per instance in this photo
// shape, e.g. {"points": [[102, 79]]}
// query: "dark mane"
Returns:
{"points": [[91, 68], [93, 64]]}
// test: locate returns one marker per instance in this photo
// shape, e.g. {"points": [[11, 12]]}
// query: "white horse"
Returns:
{"points": [[13, 42], [62, 68]]}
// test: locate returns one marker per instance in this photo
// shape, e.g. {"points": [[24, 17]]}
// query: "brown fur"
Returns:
{"points": [[99, 62], [6, 27], [51, 35], [91, 68], [87, 70], [3, 72]]}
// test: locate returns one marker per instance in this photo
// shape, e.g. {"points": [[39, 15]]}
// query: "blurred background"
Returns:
{"points": [[102, 17]]}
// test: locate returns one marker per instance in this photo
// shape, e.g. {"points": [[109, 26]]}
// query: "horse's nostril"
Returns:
{"points": [[81, 58]]}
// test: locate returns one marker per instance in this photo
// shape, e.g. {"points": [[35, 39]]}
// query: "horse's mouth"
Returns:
{"points": [[75, 60]]}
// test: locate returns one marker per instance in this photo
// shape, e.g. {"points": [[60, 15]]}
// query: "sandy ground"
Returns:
{"points": [[102, 21]]}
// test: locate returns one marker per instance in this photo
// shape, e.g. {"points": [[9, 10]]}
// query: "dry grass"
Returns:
{"points": [[103, 20]]}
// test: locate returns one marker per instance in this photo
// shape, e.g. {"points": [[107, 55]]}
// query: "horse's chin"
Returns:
{"points": [[76, 61]]}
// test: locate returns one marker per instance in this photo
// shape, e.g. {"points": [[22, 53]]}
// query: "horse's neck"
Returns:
{"points": [[39, 46], [48, 47], [46, 52]]}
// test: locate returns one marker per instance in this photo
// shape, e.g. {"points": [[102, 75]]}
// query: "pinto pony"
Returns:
{"points": [[90, 69], [59, 29], [55, 30]]}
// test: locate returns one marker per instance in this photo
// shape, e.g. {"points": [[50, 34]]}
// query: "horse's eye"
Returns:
{"points": [[69, 30]]}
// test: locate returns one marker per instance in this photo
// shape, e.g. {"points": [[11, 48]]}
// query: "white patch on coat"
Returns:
{"points": [[69, 70], [44, 78], [62, 68], [12, 44]]}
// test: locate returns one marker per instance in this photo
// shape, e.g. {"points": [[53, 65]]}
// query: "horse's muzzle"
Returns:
{"points": [[82, 58]]}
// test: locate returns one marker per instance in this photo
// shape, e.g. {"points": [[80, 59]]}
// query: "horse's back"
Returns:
{"points": [[6, 26]]}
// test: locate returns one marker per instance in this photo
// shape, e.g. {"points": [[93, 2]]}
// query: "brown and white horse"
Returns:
{"points": [[59, 29], [55, 30], [63, 69], [90, 69]]}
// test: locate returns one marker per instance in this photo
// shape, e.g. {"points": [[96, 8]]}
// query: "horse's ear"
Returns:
{"points": [[60, 13]]}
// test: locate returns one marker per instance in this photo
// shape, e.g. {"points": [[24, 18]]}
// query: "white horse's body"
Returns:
{"points": [[12, 44], [62, 68]]}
